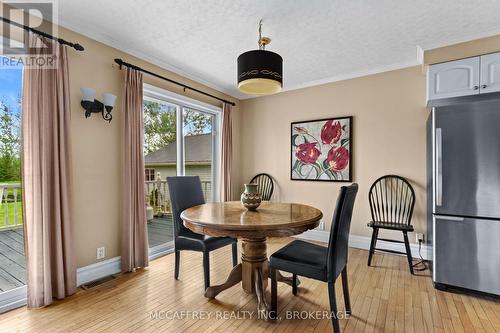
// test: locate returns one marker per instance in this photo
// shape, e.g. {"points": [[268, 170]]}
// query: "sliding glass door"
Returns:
{"points": [[199, 135], [160, 158], [12, 259], [180, 138]]}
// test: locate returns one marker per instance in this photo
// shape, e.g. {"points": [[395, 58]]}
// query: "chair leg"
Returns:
{"points": [[235, 254], [206, 269], [274, 294], [333, 307], [177, 262], [294, 284], [408, 252], [373, 244], [345, 288]]}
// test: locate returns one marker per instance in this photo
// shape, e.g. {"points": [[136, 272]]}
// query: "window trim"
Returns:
{"points": [[182, 102], [146, 170]]}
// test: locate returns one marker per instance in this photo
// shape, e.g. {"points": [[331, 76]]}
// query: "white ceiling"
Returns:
{"points": [[320, 40]]}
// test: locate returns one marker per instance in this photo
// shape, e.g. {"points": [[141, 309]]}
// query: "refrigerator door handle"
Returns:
{"points": [[439, 167], [449, 218]]}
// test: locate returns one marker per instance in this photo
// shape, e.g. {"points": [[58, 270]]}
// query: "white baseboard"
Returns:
{"points": [[97, 271], [112, 266], [13, 298], [315, 235], [363, 242]]}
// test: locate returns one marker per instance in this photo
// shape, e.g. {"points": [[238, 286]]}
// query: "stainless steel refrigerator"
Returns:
{"points": [[463, 168]]}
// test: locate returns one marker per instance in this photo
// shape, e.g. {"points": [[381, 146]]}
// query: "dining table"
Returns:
{"points": [[270, 219]]}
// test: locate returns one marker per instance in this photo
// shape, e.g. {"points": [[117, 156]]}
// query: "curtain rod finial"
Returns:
{"points": [[78, 47], [119, 62]]}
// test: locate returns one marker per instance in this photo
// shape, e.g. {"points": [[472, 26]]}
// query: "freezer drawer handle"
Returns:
{"points": [[449, 218], [439, 167]]}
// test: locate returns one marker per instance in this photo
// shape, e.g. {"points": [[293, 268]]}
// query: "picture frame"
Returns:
{"points": [[321, 149]]}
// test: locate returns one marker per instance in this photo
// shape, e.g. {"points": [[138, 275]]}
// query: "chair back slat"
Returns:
{"points": [[265, 185], [339, 232], [392, 200], [185, 192]]}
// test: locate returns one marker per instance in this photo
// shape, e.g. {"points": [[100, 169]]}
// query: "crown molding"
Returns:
{"points": [[353, 75], [346, 76], [418, 60], [108, 41]]}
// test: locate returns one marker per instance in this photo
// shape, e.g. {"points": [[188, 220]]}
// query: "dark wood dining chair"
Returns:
{"points": [[185, 192], [265, 185], [392, 199], [318, 262]]}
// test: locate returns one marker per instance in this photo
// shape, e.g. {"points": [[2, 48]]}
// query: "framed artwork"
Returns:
{"points": [[321, 150]]}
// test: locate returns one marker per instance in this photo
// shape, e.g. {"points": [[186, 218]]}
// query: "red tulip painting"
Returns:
{"points": [[307, 153], [321, 150]]}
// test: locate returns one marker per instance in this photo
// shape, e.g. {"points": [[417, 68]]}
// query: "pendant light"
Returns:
{"points": [[260, 72]]}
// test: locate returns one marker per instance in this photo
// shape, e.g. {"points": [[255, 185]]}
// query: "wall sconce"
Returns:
{"points": [[92, 105]]}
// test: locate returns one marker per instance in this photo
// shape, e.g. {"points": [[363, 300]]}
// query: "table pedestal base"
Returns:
{"points": [[253, 272]]}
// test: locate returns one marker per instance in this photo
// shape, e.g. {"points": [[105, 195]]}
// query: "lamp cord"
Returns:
{"points": [[422, 264]]}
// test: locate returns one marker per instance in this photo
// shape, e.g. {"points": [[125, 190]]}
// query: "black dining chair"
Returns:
{"points": [[265, 185], [319, 262], [392, 199], [185, 192]]}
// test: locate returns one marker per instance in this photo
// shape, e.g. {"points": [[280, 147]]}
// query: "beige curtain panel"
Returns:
{"points": [[134, 245], [47, 181], [226, 153]]}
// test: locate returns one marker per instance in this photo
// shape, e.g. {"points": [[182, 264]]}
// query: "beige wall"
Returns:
{"points": [[388, 137], [97, 143]]}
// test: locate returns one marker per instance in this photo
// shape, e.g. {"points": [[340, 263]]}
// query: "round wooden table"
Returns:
{"points": [[252, 227]]}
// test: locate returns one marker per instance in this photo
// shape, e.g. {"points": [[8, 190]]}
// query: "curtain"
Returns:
{"points": [[226, 153], [134, 245], [47, 180]]}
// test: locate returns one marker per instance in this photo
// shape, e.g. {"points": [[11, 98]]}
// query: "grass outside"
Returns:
{"points": [[11, 207]]}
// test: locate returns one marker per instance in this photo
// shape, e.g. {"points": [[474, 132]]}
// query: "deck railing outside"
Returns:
{"points": [[156, 191], [11, 211], [157, 195]]}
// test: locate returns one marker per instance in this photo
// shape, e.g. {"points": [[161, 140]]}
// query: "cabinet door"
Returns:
{"points": [[490, 73], [454, 78]]}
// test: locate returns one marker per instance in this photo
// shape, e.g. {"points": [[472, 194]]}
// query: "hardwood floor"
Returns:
{"points": [[385, 298]]}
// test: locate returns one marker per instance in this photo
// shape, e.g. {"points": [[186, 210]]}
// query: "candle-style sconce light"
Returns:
{"points": [[92, 105]]}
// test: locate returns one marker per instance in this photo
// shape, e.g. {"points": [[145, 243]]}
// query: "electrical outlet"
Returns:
{"points": [[419, 237], [101, 252]]}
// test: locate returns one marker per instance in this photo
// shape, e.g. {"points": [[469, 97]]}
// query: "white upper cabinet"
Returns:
{"points": [[490, 73], [454, 78]]}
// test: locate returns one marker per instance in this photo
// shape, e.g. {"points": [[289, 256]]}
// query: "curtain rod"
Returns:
{"points": [[76, 46], [123, 63]]}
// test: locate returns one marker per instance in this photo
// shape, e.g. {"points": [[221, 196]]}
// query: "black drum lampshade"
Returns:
{"points": [[260, 72]]}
